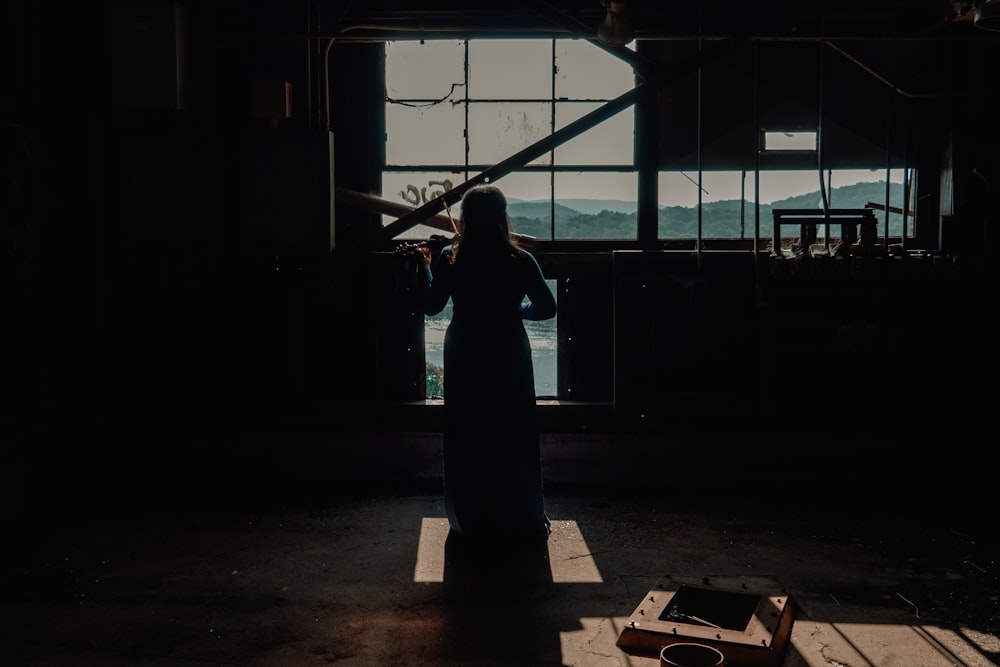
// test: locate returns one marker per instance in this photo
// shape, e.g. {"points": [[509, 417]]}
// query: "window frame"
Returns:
{"points": [[550, 166], [565, 258], [647, 227]]}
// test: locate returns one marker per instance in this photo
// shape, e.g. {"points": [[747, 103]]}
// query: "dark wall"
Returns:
{"points": [[168, 252]]}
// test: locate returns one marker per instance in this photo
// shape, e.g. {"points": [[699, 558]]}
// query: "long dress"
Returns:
{"points": [[492, 463]]}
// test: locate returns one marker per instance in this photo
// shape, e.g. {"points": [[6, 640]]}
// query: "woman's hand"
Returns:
{"points": [[425, 256]]}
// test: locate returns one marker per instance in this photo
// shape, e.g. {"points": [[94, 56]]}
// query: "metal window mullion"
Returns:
{"points": [[743, 206], [566, 168], [823, 188], [756, 171], [552, 152], [698, 139], [888, 174], [465, 104]]}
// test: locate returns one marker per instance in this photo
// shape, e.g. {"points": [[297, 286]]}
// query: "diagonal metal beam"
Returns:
{"points": [[542, 146]]}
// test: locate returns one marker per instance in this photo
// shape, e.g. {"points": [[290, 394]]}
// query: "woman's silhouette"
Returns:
{"points": [[492, 466]]}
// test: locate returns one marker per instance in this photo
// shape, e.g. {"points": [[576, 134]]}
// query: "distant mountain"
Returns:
{"points": [[610, 218], [540, 210], [594, 206], [848, 196]]}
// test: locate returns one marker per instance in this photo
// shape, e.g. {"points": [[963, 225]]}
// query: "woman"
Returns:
{"points": [[492, 466]]}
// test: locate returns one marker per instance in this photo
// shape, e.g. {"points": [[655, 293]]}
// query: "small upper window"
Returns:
{"points": [[790, 141]]}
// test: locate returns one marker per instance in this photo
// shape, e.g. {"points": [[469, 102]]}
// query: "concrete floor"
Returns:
{"points": [[372, 579]]}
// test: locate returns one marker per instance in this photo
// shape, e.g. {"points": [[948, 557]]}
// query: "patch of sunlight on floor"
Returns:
{"points": [[578, 645], [569, 555], [984, 642], [885, 644], [430, 550]]}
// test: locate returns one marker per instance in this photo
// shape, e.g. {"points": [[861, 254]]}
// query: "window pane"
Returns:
{"points": [[596, 205], [510, 69], [542, 336], [896, 200], [415, 189], [609, 142], [724, 213], [526, 186], [791, 189], [846, 188], [856, 188], [429, 70], [678, 205], [587, 72], [787, 189], [529, 202], [790, 141], [427, 135], [498, 130]]}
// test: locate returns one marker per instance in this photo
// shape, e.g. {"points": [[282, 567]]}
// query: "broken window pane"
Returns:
{"points": [[424, 70]]}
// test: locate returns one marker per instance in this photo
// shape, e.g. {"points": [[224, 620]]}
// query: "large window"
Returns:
{"points": [[726, 200], [455, 108]]}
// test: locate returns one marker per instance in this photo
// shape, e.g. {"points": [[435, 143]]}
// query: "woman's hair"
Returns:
{"points": [[485, 226]]}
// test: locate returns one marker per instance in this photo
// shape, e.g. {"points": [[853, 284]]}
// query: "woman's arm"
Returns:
{"points": [[435, 282], [541, 302]]}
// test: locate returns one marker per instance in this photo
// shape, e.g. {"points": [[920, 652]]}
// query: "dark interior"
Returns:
{"points": [[214, 356], [175, 293]]}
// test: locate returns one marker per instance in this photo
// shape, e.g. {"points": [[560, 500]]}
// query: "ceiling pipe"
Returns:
{"points": [[896, 89]]}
